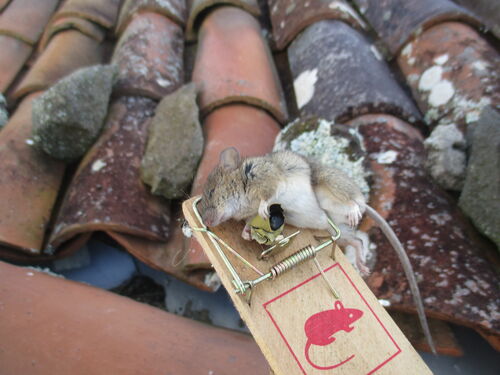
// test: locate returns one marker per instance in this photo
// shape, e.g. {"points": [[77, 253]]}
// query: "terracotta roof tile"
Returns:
{"points": [[198, 9], [108, 176], [72, 328], [14, 55], [29, 183], [150, 57], [86, 27], [453, 73], [250, 130], [175, 10], [103, 13], [66, 52], [233, 64], [339, 75], [26, 19], [290, 17], [487, 10], [456, 283], [398, 21]]}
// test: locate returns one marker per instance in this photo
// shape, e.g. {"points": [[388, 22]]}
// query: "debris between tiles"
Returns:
{"points": [[4, 115]]}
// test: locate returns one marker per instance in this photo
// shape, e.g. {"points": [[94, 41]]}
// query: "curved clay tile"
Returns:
{"points": [[234, 64], [200, 8], [86, 27], [487, 10], [453, 73], [398, 21], [108, 176], [26, 19], [29, 183], [149, 57], [104, 13], [250, 130], [339, 75], [66, 52], [175, 10], [290, 17], [456, 282], [71, 328], [14, 55]]}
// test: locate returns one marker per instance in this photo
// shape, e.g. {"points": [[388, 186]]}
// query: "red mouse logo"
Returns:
{"points": [[321, 327]]}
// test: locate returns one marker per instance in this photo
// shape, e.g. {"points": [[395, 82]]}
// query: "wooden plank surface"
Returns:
{"points": [[294, 317]]}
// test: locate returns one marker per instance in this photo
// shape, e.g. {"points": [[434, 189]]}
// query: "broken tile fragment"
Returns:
{"points": [[290, 17], [453, 74], [339, 75], [12, 59], [72, 328], [108, 176], [398, 21], [83, 25], [26, 19], [456, 282], [201, 8], [250, 130], [480, 198], [4, 115], [175, 144], [174, 10], [149, 57], [67, 51], [103, 13], [234, 64], [68, 117], [29, 184]]}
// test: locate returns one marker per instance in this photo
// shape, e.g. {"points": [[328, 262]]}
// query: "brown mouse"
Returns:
{"points": [[307, 191]]}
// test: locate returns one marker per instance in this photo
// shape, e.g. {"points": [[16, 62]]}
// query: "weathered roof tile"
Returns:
{"points": [[150, 57], [29, 184], [339, 75], [198, 9], [175, 10], [103, 13], [487, 10], [290, 17], [14, 55], [108, 176], [66, 52], [234, 64], [398, 21]]}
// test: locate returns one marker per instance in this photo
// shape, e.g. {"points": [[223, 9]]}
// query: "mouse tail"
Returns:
{"points": [[306, 352], [408, 269]]}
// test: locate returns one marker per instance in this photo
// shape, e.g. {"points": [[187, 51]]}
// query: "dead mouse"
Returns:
{"points": [[307, 191], [321, 328]]}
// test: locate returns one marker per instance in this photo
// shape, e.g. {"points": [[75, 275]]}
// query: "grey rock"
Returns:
{"points": [[480, 198], [69, 116], [446, 156], [175, 144], [4, 115]]}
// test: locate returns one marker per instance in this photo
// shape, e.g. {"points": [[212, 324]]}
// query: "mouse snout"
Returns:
{"points": [[209, 217]]}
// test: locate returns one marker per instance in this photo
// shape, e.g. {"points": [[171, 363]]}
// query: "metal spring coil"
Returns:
{"points": [[293, 260]]}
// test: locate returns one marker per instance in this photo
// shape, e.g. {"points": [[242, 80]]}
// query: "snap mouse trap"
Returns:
{"points": [[305, 305]]}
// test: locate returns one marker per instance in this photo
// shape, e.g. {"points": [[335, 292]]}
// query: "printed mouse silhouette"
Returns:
{"points": [[320, 329]]}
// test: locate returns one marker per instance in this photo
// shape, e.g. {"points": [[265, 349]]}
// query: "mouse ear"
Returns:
{"points": [[338, 305], [230, 158]]}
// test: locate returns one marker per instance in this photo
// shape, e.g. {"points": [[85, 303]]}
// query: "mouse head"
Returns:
{"points": [[223, 190], [349, 315]]}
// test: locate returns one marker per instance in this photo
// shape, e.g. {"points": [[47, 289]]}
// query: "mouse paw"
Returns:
{"points": [[246, 233], [363, 270], [264, 210]]}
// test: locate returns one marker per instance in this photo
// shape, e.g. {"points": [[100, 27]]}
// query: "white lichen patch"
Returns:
{"points": [[98, 165], [441, 93], [331, 151], [343, 7], [304, 86], [376, 52], [430, 78], [29, 142], [186, 230], [442, 59], [386, 157], [480, 65], [407, 50]]}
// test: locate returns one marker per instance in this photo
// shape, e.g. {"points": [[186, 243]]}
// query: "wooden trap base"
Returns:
{"points": [[295, 319]]}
